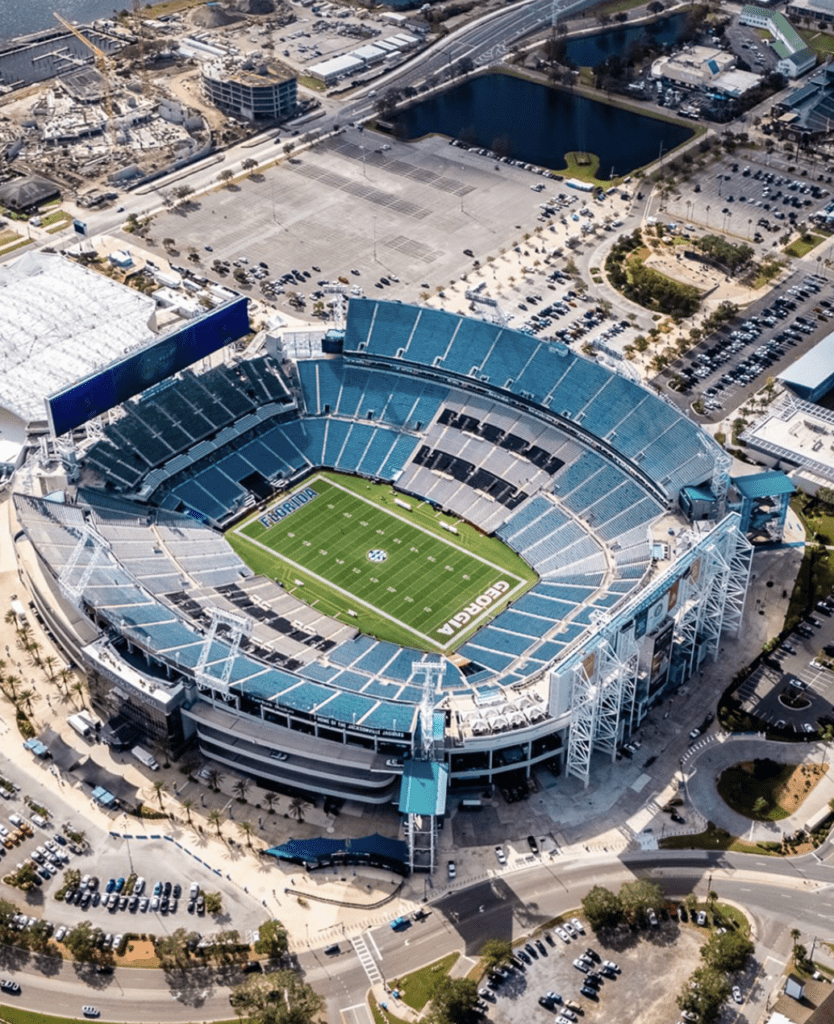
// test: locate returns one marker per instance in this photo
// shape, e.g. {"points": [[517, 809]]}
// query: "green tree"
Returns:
{"points": [[245, 829], [214, 778], [241, 788], [495, 952], [26, 877], [636, 897], [82, 942], [272, 940], [214, 902], [603, 908], [453, 1001], [270, 799], [39, 938], [187, 805], [760, 806], [297, 806], [8, 930], [728, 952], [159, 788], [216, 818], [704, 994], [280, 997], [172, 949]]}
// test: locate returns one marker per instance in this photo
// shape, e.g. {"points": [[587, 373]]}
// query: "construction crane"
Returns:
{"points": [[103, 64], [139, 23]]}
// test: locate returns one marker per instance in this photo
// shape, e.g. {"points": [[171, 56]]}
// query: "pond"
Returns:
{"points": [[589, 51], [539, 125]]}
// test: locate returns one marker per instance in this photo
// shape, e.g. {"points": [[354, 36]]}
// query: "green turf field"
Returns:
{"points": [[351, 549]]}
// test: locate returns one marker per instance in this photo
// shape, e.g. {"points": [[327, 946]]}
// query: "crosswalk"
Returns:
{"points": [[366, 959]]}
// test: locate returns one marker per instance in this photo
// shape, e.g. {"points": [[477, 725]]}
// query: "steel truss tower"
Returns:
{"points": [[74, 591], [238, 626], [709, 579]]}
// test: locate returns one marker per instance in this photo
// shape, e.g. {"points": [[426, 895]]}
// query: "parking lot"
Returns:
{"points": [[653, 965], [167, 872], [735, 362], [746, 196], [405, 214], [787, 691]]}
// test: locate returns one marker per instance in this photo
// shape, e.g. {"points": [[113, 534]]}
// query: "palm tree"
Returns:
{"points": [[186, 805], [244, 828], [64, 676], [216, 818], [13, 682], [241, 788], [214, 778], [270, 799], [49, 665], [159, 789], [28, 697], [78, 689], [11, 619], [297, 806], [795, 934]]}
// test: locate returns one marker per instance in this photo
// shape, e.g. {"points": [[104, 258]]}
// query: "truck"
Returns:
{"points": [[19, 612], [146, 758], [81, 726]]}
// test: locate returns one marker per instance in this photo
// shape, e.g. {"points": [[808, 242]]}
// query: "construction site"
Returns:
{"points": [[102, 107]]}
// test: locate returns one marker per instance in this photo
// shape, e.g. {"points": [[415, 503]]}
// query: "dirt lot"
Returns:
{"points": [[654, 965]]}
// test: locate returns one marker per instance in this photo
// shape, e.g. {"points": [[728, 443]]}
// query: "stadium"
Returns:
{"points": [[435, 556]]}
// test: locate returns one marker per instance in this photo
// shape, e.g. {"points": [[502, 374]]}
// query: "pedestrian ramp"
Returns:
{"points": [[358, 1014], [366, 959]]}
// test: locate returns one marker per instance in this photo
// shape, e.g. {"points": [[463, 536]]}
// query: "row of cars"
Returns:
{"points": [[164, 898]]}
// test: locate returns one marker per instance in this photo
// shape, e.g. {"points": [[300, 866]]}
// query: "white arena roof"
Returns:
{"points": [[59, 322]]}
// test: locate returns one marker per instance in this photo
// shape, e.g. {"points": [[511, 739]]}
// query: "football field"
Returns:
{"points": [[382, 562]]}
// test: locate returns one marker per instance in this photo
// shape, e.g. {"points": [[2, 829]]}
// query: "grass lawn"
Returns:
{"points": [[713, 839], [312, 83], [815, 578], [767, 270], [802, 246], [583, 166], [376, 1013], [169, 7], [618, 5], [784, 790], [15, 1015], [56, 217], [820, 42], [416, 988], [390, 570]]}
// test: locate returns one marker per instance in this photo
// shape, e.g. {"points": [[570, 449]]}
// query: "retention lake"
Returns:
{"points": [[539, 125]]}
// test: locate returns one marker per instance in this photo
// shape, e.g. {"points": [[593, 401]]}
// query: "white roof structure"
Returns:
{"points": [[59, 322], [796, 433]]}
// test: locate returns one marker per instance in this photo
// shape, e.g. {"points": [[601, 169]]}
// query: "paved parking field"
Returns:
{"points": [[736, 361], [654, 964], [363, 207]]}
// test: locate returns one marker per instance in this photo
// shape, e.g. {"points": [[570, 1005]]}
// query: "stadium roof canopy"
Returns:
{"points": [[24, 193], [423, 787], [811, 375], [59, 322], [764, 485]]}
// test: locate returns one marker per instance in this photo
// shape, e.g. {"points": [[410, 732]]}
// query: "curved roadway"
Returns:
{"points": [[778, 895]]}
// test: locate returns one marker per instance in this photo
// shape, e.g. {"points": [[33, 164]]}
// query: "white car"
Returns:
{"points": [[116, 940], [139, 886], [499, 853], [569, 929], [563, 935], [155, 903], [577, 924], [739, 998], [611, 966], [62, 931]]}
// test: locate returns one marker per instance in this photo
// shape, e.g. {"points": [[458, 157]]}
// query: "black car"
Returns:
{"points": [[166, 889], [591, 954], [678, 819], [589, 991], [163, 905], [540, 947], [531, 842], [523, 956], [177, 891]]}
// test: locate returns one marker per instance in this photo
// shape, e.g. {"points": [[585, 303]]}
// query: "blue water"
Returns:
{"points": [[538, 125], [590, 51], [22, 17]]}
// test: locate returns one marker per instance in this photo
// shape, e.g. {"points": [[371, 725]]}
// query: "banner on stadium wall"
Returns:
{"points": [[661, 656], [132, 374], [673, 596]]}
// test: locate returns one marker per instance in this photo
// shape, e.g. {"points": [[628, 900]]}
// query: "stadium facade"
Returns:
{"points": [[574, 467]]}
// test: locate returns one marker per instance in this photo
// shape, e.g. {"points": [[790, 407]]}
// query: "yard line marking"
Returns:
{"points": [[472, 624]]}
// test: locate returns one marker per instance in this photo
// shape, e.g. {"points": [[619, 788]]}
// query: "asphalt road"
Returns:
{"points": [[778, 895]]}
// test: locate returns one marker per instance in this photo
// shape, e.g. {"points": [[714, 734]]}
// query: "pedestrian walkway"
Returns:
{"points": [[366, 959]]}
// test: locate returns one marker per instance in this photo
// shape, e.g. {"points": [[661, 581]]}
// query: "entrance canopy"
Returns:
{"points": [[375, 850]]}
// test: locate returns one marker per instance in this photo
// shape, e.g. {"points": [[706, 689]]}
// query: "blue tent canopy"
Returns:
{"points": [[375, 849]]}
